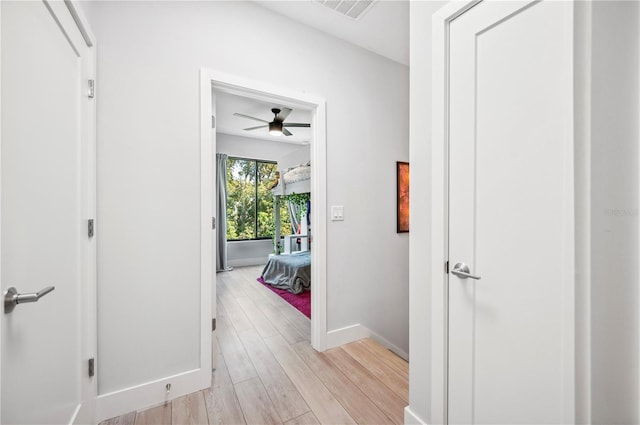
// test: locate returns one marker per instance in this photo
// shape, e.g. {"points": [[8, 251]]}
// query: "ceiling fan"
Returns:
{"points": [[277, 127]]}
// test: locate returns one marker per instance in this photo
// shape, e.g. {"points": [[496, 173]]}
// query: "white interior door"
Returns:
{"points": [[46, 199], [511, 214]]}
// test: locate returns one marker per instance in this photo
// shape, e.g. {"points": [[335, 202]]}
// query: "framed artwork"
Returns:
{"points": [[402, 173]]}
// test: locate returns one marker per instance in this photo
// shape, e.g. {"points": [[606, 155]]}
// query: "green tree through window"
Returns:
{"points": [[249, 200]]}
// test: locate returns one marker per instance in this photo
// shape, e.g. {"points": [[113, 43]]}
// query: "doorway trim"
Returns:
{"points": [[212, 80], [441, 21]]}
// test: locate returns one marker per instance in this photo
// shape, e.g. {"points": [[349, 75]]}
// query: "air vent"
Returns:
{"points": [[353, 9]]}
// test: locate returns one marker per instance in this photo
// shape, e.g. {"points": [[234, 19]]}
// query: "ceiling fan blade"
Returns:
{"points": [[255, 128], [250, 117], [286, 132], [296, 124], [284, 113]]}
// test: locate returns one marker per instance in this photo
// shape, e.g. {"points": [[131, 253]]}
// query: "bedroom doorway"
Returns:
{"points": [[215, 89]]}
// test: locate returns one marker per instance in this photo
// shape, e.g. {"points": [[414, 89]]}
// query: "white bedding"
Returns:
{"points": [[297, 173]]}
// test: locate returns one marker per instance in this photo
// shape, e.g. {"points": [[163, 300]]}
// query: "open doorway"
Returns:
{"points": [[263, 195], [250, 256]]}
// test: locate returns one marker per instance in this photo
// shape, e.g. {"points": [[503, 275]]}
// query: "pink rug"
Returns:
{"points": [[302, 302]]}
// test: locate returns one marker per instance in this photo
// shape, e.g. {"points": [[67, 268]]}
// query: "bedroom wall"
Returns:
{"points": [[250, 253], [300, 155], [149, 57]]}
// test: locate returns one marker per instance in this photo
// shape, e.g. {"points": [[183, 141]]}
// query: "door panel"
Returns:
{"points": [[43, 213], [511, 213]]}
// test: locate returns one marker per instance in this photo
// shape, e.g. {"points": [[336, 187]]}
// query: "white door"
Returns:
{"points": [[46, 198], [511, 214]]}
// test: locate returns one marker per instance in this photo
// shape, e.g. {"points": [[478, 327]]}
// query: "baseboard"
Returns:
{"points": [[353, 333], [150, 394], [346, 335], [397, 350], [411, 418], [243, 262]]}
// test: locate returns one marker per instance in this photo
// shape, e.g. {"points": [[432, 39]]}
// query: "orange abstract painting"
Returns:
{"points": [[403, 197]]}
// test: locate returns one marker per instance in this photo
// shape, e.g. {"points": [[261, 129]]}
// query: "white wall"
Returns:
{"points": [[249, 253], [299, 156], [149, 58], [614, 214], [248, 147]]}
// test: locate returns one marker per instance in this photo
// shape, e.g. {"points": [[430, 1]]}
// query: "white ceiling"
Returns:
{"points": [[227, 104], [382, 29]]}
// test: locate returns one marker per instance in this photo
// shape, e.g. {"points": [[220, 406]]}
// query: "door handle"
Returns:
{"points": [[12, 298], [462, 271]]}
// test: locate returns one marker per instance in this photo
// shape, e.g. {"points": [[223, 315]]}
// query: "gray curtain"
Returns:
{"points": [[294, 215], [221, 213]]}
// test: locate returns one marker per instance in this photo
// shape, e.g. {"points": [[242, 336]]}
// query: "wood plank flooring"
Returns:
{"points": [[268, 373]]}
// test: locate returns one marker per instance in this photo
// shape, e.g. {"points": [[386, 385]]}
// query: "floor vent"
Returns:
{"points": [[353, 9]]}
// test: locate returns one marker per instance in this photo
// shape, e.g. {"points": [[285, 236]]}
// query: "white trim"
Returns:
{"points": [[89, 290], [259, 90], [207, 208], [338, 337], [411, 418], [638, 317], [439, 204], [81, 21], [582, 172], [1, 314], [342, 336], [319, 228], [382, 341], [149, 394], [89, 295]]}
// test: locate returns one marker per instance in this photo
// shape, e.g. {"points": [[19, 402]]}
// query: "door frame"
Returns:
{"points": [[212, 80], [441, 21], [577, 398], [88, 297]]}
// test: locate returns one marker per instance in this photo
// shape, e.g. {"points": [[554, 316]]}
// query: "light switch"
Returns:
{"points": [[337, 213]]}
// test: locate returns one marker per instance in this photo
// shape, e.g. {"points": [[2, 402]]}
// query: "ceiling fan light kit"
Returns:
{"points": [[277, 127]]}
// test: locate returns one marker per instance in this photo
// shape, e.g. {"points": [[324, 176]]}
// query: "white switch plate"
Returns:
{"points": [[337, 213]]}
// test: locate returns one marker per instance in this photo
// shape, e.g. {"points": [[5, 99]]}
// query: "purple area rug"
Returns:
{"points": [[302, 302]]}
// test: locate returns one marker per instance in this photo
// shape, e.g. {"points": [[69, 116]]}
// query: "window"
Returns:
{"points": [[249, 200]]}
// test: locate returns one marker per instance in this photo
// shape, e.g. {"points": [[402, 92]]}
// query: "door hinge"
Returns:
{"points": [[213, 121], [213, 223], [92, 89], [90, 229], [92, 370], [213, 324], [446, 267]]}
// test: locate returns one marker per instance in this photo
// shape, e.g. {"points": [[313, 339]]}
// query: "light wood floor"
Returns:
{"points": [[267, 372]]}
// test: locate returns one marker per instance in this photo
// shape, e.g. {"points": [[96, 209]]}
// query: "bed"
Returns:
{"points": [[296, 179], [291, 272]]}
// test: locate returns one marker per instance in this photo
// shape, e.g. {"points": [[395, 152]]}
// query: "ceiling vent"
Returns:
{"points": [[353, 9]]}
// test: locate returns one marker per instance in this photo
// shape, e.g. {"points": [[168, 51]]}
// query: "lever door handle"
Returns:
{"points": [[12, 298], [462, 271]]}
